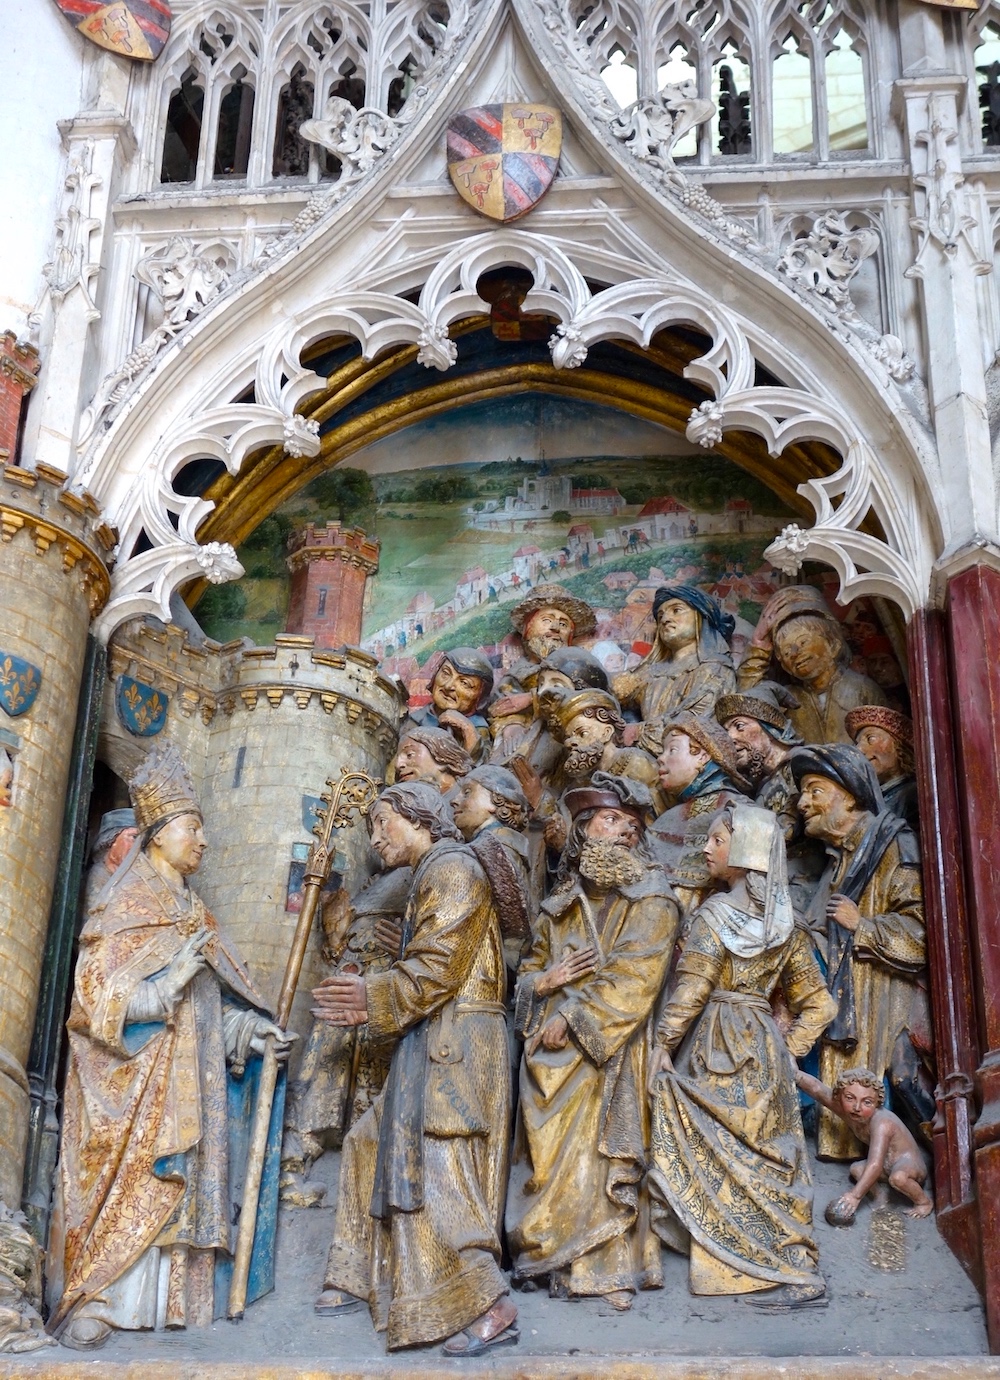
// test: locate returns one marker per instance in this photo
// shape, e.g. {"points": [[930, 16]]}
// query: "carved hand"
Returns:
{"points": [[529, 780], [463, 729], [389, 933], [576, 964], [659, 1062], [341, 1000], [283, 1039], [555, 833], [844, 911], [555, 1033], [186, 964]]}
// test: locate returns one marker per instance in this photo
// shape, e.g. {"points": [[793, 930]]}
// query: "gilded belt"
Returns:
{"points": [[480, 1008], [741, 999]]}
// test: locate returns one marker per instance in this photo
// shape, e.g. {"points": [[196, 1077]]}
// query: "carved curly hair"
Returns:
{"points": [[446, 751], [865, 1077], [422, 805]]}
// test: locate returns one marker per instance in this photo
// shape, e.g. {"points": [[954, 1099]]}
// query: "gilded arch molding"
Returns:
{"points": [[161, 532]]}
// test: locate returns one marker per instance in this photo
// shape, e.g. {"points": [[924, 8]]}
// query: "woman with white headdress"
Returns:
{"points": [[728, 1157]]}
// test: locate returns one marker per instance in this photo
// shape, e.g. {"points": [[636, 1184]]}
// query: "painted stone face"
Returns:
{"points": [[677, 625], [395, 839], [182, 844], [824, 805], [451, 689], [616, 826], [680, 761], [804, 649], [472, 807], [546, 630], [583, 730], [414, 762], [881, 749]]}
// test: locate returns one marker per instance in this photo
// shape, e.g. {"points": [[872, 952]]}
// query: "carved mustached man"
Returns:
{"points": [[602, 945], [163, 1012], [423, 1172]]}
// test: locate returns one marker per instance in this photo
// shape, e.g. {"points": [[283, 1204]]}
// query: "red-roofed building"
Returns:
{"points": [[597, 501]]}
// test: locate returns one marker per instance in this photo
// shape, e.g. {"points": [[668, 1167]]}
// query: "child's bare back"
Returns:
{"points": [[893, 1154]]}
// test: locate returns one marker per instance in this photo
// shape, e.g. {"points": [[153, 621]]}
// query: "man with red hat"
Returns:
{"points": [[886, 739], [601, 950]]}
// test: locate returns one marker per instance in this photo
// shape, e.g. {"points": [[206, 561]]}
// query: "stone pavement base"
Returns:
{"points": [[504, 1365]]}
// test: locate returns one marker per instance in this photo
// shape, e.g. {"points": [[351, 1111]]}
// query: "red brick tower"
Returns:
{"points": [[329, 566], [18, 367]]}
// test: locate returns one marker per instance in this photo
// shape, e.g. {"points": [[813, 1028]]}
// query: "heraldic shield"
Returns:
{"points": [[19, 684], [132, 28], [502, 158]]}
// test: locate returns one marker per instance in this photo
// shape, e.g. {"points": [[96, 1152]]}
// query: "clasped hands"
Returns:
{"points": [[341, 1000]]}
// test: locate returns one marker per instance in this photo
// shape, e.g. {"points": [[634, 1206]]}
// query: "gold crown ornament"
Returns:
{"points": [[161, 788]]}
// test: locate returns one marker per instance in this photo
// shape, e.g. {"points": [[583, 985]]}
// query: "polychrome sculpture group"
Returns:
{"points": [[634, 904]]}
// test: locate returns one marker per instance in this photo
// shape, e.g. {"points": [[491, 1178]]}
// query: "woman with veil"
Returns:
{"points": [[729, 1174]]}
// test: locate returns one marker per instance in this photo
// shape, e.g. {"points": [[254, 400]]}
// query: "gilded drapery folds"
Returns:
{"points": [[145, 1149], [576, 1207], [729, 1165], [424, 1170]]}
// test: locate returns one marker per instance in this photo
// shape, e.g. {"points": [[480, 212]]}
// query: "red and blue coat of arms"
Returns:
{"points": [[502, 158], [132, 28]]}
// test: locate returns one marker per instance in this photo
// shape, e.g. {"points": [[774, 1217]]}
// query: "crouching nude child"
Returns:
{"points": [[857, 1097]]}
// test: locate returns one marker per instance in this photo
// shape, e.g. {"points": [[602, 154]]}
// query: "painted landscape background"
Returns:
{"points": [[475, 508]]}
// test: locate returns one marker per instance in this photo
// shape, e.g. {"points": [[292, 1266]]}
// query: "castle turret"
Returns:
{"points": [[330, 566]]}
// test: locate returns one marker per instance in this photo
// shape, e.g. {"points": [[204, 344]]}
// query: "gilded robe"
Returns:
{"points": [[145, 1157], [423, 1172], [884, 962], [343, 1069], [576, 1209], [819, 718], [662, 688], [728, 1154]]}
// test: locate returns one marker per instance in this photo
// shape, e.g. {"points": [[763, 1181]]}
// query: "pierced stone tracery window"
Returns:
{"points": [[236, 87], [788, 79], [987, 63]]}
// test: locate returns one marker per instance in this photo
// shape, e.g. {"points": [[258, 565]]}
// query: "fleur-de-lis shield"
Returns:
{"points": [[20, 683], [132, 28], [502, 158], [141, 708]]}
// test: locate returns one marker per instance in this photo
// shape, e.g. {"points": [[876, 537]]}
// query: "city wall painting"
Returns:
{"points": [[476, 506]]}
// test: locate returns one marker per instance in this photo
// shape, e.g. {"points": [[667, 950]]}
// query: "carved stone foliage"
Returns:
{"points": [[653, 125]]}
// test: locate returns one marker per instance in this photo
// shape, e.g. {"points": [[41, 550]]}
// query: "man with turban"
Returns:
{"points": [[867, 919], [699, 776], [460, 689], [576, 1213], [886, 739], [592, 729], [532, 742], [164, 1019], [797, 630], [689, 667]]}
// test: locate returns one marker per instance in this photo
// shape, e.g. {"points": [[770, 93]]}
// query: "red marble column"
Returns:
{"points": [[330, 567], [949, 951], [973, 617]]}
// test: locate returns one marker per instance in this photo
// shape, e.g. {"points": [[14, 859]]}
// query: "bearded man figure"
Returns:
{"points": [[592, 729], [576, 1206], [162, 1007], [689, 667], [460, 689], [419, 1204], [548, 619], [797, 630], [532, 742], [867, 919]]}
